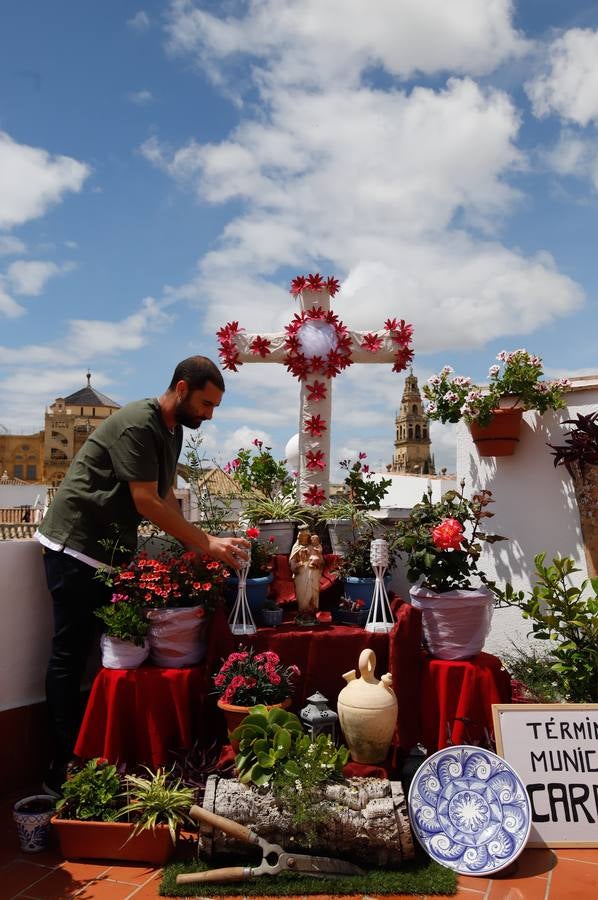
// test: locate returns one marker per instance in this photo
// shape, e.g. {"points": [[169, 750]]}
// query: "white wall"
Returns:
{"points": [[26, 615], [534, 506]]}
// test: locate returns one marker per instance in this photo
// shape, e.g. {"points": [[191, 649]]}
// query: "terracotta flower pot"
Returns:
{"points": [[234, 715], [112, 840], [501, 435]]}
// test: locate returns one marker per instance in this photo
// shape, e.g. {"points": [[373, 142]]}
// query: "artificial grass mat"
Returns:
{"points": [[420, 877]]}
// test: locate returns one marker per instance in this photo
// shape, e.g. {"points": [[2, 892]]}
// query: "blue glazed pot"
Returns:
{"points": [[361, 588], [257, 591]]}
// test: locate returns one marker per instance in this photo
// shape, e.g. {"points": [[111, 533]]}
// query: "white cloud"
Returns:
{"points": [[569, 86], [11, 246], [140, 21], [575, 155], [140, 98], [88, 337], [9, 307], [313, 43], [32, 180], [29, 277]]}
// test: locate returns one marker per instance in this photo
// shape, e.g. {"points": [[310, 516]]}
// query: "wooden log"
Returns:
{"points": [[362, 819]]}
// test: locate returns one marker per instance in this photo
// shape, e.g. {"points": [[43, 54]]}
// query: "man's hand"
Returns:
{"points": [[232, 551]]}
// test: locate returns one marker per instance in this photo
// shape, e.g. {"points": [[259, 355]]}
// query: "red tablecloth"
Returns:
{"points": [[456, 699], [138, 716]]}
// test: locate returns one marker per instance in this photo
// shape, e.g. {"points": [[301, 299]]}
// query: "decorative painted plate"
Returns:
{"points": [[469, 810]]}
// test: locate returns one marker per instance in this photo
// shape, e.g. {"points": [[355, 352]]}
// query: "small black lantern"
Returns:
{"points": [[318, 718]]}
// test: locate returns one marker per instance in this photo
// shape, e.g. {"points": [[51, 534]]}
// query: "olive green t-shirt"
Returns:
{"points": [[93, 502]]}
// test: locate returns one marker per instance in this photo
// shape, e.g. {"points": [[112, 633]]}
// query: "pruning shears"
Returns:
{"points": [[274, 858]]}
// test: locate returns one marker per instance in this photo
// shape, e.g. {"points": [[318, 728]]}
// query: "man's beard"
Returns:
{"points": [[184, 417]]}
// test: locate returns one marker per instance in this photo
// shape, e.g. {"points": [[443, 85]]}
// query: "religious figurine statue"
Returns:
{"points": [[307, 564]]}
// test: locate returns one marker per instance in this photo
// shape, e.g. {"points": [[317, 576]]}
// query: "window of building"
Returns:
{"points": [[31, 473], [410, 432], [417, 431], [17, 471], [414, 408]]}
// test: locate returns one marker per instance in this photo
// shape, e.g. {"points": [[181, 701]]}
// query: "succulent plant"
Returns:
{"points": [[265, 740]]}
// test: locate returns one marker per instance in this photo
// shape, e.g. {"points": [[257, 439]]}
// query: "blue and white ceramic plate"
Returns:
{"points": [[469, 810]]}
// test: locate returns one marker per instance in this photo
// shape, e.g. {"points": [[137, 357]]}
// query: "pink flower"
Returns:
{"points": [[448, 535]]}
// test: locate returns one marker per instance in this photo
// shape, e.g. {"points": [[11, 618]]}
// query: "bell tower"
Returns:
{"points": [[412, 434]]}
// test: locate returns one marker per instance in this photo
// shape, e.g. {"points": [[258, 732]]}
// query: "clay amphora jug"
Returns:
{"points": [[367, 710]]}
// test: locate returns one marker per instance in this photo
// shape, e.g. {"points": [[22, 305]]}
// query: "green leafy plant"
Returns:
{"points": [[533, 675], [215, 509], [265, 739], [157, 799], [362, 490], [92, 793], [451, 398], [274, 750], [262, 553], [247, 678], [562, 615], [125, 621], [356, 562], [278, 508], [257, 470], [443, 541]]}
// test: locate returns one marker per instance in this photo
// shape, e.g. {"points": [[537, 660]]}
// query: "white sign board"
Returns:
{"points": [[554, 749]]}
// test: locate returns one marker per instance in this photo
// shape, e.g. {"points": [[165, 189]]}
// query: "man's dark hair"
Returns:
{"points": [[196, 370]]}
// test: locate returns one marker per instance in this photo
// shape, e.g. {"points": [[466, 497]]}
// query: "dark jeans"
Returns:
{"points": [[76, 593]]}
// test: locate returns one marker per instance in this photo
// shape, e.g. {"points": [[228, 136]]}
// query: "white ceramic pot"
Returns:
{"points": [[176, 636], [118, 654], [455, 624], [367, 711], [282, 530], [32, 817]]}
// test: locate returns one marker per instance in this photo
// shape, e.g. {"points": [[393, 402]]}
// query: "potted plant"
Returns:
{"points": [[96, 798], [259, 575], [579, 455], [562, 615], [124, 644], [442, 543], [355, 567], [350, 612], [347, 515], [271, 613], [177, 590], [494, 413], [247, 679]]}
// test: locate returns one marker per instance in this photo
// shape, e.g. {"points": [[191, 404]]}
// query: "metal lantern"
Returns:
{"points": [[380, 617], [240, 620], [318, 718]]}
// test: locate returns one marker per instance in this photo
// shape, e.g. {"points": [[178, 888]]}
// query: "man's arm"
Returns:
{"points": [[166, 514]]}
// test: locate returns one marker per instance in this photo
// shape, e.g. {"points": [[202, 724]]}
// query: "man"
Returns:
{"points": [[123, 473]]}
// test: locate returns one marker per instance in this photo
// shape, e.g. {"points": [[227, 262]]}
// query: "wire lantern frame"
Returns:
{"points": [[380, 618], [241, 620]]}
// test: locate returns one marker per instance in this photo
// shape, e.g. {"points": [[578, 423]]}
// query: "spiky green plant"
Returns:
{"points": [[158, 799]]}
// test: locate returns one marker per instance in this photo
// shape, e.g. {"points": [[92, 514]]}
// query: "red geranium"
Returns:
{"points": [[448, 535], [247, 678]]}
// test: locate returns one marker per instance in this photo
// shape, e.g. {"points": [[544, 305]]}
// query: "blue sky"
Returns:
{"points": [[168, 166]]}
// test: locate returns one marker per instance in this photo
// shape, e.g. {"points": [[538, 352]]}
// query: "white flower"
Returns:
{"points": [[462, 381], [502, 356], [434, 380], [493, 371], [431, 409], [451, 397], [447, 370]]}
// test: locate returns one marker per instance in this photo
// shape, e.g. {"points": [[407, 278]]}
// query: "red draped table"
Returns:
{"points": [[139, 715], [457, 698]]}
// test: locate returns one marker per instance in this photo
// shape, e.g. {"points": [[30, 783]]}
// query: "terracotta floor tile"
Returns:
{"points": [[474, 884], [583, 854], [59, 885], [518, 889], [531, 863], [131, 873], [18, 875], [574, 879], [79, 870], [105, 889]]}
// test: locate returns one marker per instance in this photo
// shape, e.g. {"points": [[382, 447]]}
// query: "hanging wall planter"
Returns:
{"points": [[501, 436]]}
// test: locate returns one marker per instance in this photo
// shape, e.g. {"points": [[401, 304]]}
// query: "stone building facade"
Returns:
{"points": [[46, 455], [412, 453]]}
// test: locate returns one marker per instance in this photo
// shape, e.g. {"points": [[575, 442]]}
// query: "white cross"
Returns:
{"points": [[312, 340]]}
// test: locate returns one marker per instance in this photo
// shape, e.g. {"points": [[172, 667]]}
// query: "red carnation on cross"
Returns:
{"points": [[315, 282], [260, 345], [315, 459], [333, 286], [298, 284], [316, 425], [316, 391], [371, 342], [315, 496]]}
